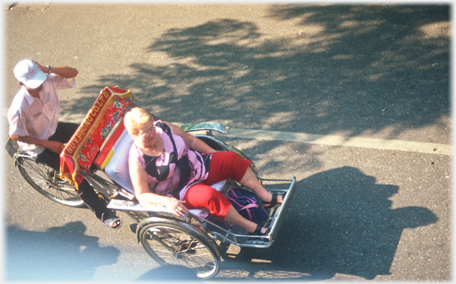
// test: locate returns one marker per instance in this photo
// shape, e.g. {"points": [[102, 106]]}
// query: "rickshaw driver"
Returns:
{"points": [[33, 118]]}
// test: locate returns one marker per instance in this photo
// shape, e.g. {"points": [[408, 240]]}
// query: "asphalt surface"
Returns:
{"points": [[369, 71]]}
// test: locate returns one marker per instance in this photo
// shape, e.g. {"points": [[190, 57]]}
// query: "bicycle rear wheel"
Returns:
{"points": [[46, 181], [176, 244]]}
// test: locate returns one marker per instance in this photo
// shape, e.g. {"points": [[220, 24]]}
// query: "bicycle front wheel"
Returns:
{"points": [[177, 244], [46, 181]]}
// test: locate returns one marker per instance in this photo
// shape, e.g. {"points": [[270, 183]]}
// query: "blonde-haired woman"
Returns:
{"points": [[171, 168]]}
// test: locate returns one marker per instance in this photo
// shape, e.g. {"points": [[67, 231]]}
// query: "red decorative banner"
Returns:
{"points": [[78, 155]]}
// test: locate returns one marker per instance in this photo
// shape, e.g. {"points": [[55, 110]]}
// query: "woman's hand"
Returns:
{"points": [[176, 205]]}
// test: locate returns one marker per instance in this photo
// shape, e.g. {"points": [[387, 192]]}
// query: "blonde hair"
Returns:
{"points": [[135, 118]]}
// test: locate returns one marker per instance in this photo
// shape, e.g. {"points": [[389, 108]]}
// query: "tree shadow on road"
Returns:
{"points": [[61, 254], [340, 221], [350, 69]]}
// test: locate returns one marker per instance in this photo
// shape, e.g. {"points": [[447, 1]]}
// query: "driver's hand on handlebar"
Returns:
{"points": [[176, 205], [55, 146]]}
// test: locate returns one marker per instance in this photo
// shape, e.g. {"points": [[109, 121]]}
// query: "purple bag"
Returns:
{"points": [[248, 205]]}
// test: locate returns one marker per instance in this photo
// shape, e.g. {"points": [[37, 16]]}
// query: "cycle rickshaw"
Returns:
{"points": [[98, 152]]}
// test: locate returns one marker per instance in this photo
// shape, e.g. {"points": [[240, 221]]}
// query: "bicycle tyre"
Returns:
{"points": [[173, 243], [46, 181]]}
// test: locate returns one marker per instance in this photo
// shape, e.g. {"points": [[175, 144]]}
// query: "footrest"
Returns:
{"points": [[239, 236], [278, 214]]}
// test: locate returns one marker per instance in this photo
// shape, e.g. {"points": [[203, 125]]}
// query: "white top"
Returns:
{"points": [[37, 118]]}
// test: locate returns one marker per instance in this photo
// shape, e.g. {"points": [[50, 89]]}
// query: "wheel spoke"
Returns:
{"points": [[178, 246], [45, 180]]}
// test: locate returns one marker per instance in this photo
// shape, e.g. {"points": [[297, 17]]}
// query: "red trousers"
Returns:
{"points": [[224, 165]]}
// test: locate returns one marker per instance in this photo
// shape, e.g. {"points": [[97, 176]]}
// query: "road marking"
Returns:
{"points": [[333, 140], [329, 140]]}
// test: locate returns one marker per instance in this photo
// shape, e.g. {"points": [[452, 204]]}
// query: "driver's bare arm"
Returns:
{"points": [[54, 146], [64, 71]]}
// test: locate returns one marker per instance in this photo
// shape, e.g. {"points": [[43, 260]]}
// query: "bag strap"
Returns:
{"points": [[167, 130], [243, 207]]}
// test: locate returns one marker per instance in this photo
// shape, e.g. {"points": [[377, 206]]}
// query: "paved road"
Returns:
{"points": [[362, 73]]}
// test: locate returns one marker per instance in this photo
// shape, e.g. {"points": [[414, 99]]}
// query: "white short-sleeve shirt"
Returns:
{"points": [[37, 117]]}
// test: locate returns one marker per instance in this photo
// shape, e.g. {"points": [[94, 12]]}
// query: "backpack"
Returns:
{"points": [[248, 205]]}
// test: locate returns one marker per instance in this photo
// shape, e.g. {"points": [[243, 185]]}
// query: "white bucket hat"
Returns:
{"points": [[29, 74]]}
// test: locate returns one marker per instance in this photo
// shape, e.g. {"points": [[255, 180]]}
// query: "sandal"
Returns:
{"points": [[273, 201], [258, 232], [112, 221]]}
